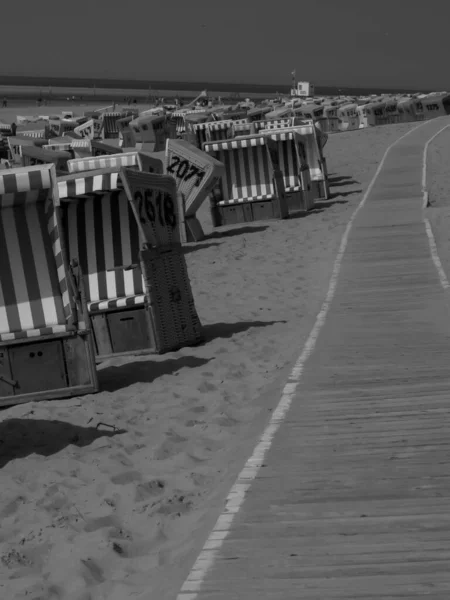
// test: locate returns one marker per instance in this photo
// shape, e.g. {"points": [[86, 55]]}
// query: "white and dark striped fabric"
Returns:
{"points": [[116, 161], [61, 147], [101, 232], [71, 186], [5, 129], [110, 127], [309, 136], [35, 133], [248, 169], [289, 159], [34, 299]]}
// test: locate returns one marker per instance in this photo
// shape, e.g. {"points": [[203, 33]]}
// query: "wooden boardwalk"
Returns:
{"points": [[353, 500]]}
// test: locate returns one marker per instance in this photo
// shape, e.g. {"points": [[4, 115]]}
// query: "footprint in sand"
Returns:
{"points": [[171, 446], [149, 489], [177, 505], [206, 387], [127, 477]]}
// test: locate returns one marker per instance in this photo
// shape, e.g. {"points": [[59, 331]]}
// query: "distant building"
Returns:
{"points": [[303, 89]]}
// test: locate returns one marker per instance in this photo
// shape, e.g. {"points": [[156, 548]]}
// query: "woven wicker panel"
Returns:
{"points": [[175, 320]]}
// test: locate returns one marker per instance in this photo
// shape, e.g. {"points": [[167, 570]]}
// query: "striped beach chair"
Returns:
{"points": [[110, 129], [46, 349], [314, 157], [86, 130], [38, 156], [252, 188], [101, 232], [217, 131], [295, 169], [34, 133], [151, 131], [179, 117], [196, 174], [195, 125]]}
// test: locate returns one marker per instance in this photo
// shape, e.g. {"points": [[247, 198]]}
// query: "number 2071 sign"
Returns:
{"points": [[184, 170]]}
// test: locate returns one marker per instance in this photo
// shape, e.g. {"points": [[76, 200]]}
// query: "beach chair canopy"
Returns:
{"points": [[144, 161]]}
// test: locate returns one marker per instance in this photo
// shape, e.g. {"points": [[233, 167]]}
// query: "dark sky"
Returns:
{"points": [[392, 43]]}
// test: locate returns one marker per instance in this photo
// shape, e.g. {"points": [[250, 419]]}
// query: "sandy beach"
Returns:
{"points": [[111, 496]]}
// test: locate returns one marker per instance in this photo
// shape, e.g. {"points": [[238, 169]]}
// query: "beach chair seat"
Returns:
{"points": [[295, 169], [252, 180], [45, 349], [196, 174]]}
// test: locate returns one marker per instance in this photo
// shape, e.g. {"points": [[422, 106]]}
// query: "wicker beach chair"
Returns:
{"points": [[46, 347], [102, 234], [310, 137], [252, 188]]}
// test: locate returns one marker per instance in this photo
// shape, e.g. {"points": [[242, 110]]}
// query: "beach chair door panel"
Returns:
{"points": [[129, 329], [38, 367]]}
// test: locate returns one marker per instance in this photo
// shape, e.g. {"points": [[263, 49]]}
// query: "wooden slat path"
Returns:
{"points": [[353, 500]]}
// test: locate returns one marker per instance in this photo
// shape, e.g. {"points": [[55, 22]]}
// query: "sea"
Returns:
{"points": [[24, 88]]}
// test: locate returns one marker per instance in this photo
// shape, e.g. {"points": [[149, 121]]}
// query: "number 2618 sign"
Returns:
{"points": [[153, 199]]}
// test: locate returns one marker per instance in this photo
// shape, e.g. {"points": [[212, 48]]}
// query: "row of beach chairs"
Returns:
{"points": [[93, 266]]}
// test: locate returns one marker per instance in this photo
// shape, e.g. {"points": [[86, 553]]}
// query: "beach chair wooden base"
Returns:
{"points": [[300, 201], [46, 368], [122, 333], [193, 229], [248, 212], [320, 190]]}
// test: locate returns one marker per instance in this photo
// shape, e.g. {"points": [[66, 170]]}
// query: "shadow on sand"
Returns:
{"points": [[341, 181], [21, 437], [227, 330], [235, 231], [114, 378], [199, 246]]}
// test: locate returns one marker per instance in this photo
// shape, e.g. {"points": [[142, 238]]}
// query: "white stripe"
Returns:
{"points": [[42, 268], [435, 256], [207, 558], [125, 243], [108, 246]]}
